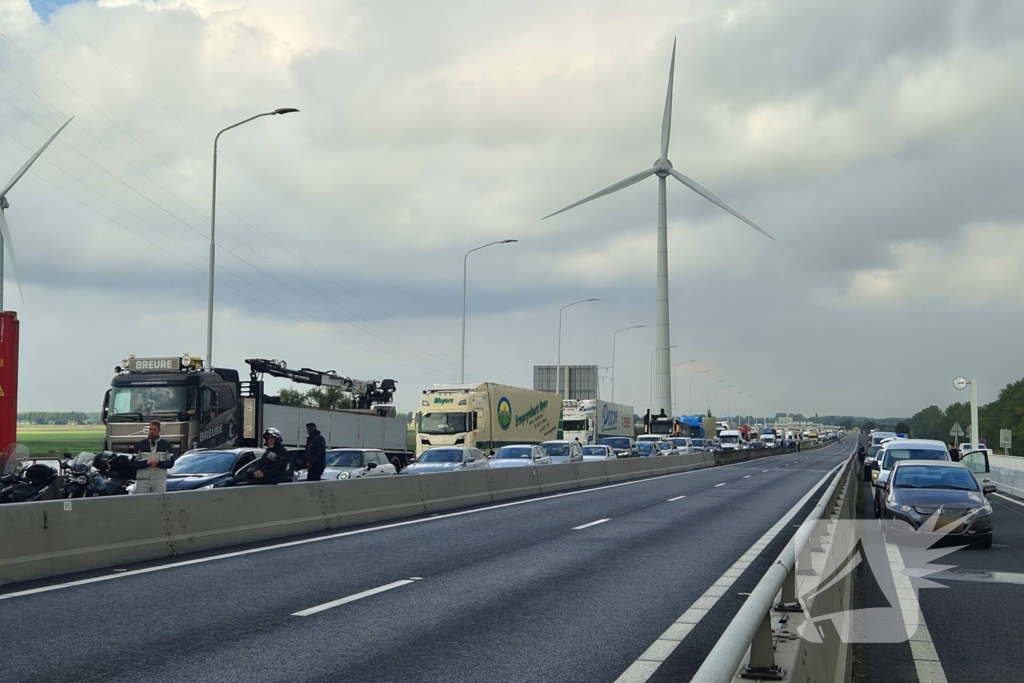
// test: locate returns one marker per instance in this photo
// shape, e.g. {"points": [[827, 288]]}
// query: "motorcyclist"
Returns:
{"points": [[273, 464]]}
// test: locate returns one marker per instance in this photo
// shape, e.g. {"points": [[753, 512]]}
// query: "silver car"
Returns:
{"points": [[561, 451], [354, 463], [523, 455], [598, 453], [448, 459]]}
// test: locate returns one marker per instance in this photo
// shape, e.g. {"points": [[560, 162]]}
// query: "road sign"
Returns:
{"points": [[957, 430], [1004, 438]]}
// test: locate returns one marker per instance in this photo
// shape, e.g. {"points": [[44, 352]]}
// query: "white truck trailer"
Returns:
{"points": [[486, 416], [592, 420]]}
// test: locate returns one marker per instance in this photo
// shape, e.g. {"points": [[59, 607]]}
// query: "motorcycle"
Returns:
{"points": [[21, 484], [78, 476], [113, 476]]}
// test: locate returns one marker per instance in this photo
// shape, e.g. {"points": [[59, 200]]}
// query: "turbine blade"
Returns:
{"points": [[714, 200], [9, 249], [24, 169], [631, 180], [666, 121]]}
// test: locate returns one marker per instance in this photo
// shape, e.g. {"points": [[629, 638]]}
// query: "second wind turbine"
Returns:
{"points": [[663, 169]]}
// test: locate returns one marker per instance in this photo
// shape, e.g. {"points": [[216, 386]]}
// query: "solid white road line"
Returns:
{"points": [[672, 500], [353, 598], [343, 534], [922, 649], [1012, 500], [722, 484], [590, 524], [644, 667]]}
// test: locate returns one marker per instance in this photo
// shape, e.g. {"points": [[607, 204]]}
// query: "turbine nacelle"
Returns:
{"points": [[662, 168]]}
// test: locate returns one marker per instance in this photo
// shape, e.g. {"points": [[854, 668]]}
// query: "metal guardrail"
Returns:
{"points": [[752, 626]]}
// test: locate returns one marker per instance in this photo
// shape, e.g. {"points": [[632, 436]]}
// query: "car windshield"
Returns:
{"points": [[665, 445], [620, 442], [645, 446], [444, 423], [594, 450], [955, 478], [514, 453], [556, 449], [345, 458], [729, 439], [207, 462], [893, 455], [680, 443], [873, 451], [148, 400], [442, 455], [699, 443], [574, 425]]}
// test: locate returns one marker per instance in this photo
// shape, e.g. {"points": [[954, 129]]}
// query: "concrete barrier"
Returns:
{"points": [[50, 538]]}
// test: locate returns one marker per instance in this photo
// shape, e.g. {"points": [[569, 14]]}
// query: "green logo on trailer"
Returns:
{"points": [[504, 413]]}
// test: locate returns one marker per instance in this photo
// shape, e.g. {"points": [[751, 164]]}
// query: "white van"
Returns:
{"points": [[730, 440]]}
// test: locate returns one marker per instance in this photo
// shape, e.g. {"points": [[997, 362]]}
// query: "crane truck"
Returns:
{"points": [[201, 407]]}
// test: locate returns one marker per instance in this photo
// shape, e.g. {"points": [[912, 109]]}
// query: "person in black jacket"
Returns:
{"points": [[154, 457], [274, 462], [316, 453]]}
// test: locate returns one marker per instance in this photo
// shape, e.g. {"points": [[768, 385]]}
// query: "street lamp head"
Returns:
{"points": [[507, 241], [593, 299], [285, 110]]}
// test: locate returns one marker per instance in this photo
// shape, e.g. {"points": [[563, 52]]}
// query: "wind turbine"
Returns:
{"points": [[663, 169], [5, 233]]}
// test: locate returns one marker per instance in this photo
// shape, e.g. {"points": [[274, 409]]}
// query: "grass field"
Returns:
{"points": [[56, 439]]}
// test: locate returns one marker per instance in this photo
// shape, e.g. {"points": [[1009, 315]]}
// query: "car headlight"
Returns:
{"points": [[899, 507], [985, 509], [874, 474], [344, 475]]}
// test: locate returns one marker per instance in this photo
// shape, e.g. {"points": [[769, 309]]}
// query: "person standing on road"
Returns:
{"points": [[954, 453], [151, 472], [316, 453], [274, 462]]}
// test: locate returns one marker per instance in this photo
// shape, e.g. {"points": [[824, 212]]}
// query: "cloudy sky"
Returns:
{"points": [[879, 142]]}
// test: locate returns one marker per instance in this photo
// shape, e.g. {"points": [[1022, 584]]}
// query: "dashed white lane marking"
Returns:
{"points": [[646, 664], [922, 649], [590, 524], [747, 477], [672, 500], [722, 484], [352, 598]]}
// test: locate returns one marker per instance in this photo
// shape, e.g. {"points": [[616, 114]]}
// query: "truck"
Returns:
{"points": [[591, 420], [769, 438], [486, 415], [695, 426], [660, 424], [208, 408]]}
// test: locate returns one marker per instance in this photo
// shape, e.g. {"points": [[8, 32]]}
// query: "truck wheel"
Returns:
{"points": [[397, 463]]}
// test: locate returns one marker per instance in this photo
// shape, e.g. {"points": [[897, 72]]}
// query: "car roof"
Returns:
{"points": [[519, 445], [346, 448], [557, 441], [236, 451], [933, 463], [924, 444]]}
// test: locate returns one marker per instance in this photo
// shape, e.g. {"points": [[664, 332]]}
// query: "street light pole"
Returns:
{"points": [[651, 376], [558, 368], [213, 229], [634, 327], [716, 398], [462, 369], [675, 376], [692, 375], [707, 392]]}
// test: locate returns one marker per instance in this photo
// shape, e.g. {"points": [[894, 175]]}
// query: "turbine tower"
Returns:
{"points": [[663, 169], [5, 233]]}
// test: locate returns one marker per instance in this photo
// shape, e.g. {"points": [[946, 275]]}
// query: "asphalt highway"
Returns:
{"points": [[973, 626], [570, 587]]}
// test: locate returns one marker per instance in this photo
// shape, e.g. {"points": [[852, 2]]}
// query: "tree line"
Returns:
{"points": [[45, 417], [1006, 412]]}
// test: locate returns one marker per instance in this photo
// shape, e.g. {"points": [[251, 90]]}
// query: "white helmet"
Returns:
{"points": [[272, 431]]}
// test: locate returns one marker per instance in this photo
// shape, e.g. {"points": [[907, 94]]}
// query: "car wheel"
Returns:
{"points": [[987, 543]]}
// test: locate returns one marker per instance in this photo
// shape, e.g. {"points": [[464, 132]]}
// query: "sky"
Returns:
{"points": [[878, 142]]}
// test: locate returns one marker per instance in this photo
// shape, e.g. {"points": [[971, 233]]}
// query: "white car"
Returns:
{"points": [[354, 463], [562, 450], [903, 449], [683, 444], [448, 459], [598, 453], [665, 448], [523, 455]]}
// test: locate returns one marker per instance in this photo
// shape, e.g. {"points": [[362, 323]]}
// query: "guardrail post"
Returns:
{"points": [[803, 562], [789, 602], [762, 664]]}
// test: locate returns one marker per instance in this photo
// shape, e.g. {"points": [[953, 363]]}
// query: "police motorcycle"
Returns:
{"points": [[79, 475], [114, 474], [21, 482]]}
